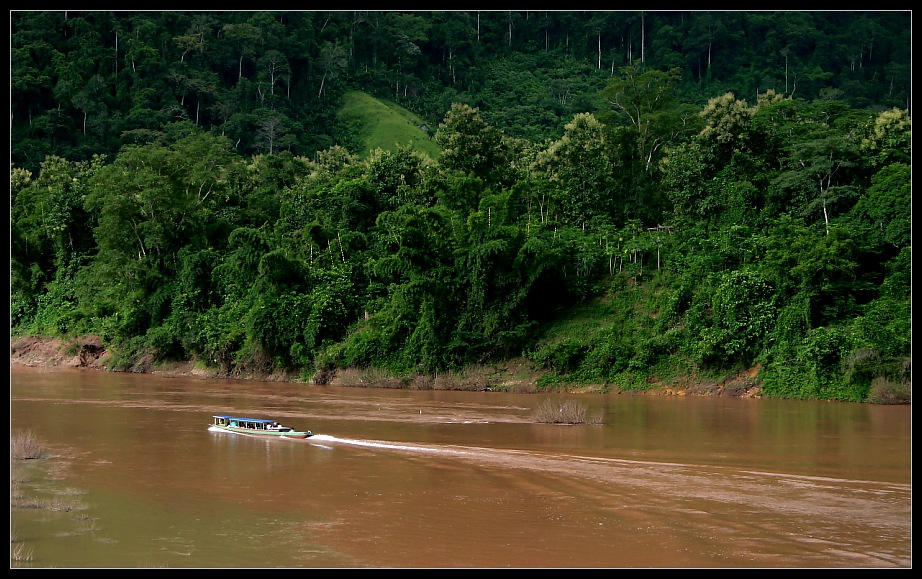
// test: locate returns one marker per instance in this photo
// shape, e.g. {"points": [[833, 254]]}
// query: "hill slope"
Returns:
{"points": [[385, 125]]}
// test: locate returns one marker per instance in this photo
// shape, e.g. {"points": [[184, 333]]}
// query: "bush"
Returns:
{"points": [[323, 376], [25, 445], [563, 357], [565, 412], [884, 391]]}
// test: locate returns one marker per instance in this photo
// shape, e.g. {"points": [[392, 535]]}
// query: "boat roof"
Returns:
{"points": [[263, 420]]}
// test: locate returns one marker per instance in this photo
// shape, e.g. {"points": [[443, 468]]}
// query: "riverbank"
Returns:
{"points": [[518, 376]]}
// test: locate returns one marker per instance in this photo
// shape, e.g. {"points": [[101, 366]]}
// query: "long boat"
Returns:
{"points": [[261, 426]]}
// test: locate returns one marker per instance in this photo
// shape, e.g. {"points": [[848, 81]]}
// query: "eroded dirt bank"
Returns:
{"points": [[90, 353], [87, 352]]}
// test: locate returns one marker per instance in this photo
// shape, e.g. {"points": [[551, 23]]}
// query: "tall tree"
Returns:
{"points": [[469, 144], [817, 174], [333, 60], [647, 99], [274, 69], [579, 164], [247, 38]]}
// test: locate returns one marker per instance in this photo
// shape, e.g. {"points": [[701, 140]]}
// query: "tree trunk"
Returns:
{"points": [[642, 31]]}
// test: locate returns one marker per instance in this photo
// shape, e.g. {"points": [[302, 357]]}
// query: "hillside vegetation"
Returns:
{"points": [[379, 124], [609, 201]]}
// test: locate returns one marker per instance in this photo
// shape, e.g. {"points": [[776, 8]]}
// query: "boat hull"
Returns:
{"points": [[260, 432]]}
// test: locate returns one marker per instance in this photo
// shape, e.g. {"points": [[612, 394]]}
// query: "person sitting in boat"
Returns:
{"points": [[274, 426]]}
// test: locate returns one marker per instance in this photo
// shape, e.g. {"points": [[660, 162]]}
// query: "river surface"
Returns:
{"points": [[440, 479]]}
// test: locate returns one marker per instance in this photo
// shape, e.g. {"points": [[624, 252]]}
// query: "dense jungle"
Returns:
{"points": [[613, 201]]}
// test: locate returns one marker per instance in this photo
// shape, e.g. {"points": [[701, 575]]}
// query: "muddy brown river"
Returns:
{"points": [[439, 479]]}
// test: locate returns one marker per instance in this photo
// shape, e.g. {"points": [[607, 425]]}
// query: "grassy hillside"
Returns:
{"points": [[385, 125]]}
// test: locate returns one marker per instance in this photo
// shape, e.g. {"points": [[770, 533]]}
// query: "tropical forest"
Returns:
{"points": [[614, 199]]}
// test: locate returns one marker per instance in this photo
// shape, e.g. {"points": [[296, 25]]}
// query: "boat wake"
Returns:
{"points": [[320, 439], [384, 445], [640, 471]]}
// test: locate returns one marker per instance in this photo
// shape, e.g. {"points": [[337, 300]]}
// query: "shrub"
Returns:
{"points": [[25, 445], [565, 412], [563, 357], [20, 553], [884, 391], [323, 376]]}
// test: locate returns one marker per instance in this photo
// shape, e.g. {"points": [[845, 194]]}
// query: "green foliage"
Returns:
{"points": [[886, 326], [886, 208], [274, 323], [195, 291], [239, 268], [395, 176], [471, 146], [817, 179], [563, 357], [889, 140], [614, 221], [816, 371], [165, 341], [789, 381], [225, 72], [579, 165], [740, 313], [55, 312], [379, 124], [221, 333], [645, 100]]}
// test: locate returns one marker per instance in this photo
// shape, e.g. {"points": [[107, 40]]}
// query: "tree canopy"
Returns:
{"points": [[614, 212]]}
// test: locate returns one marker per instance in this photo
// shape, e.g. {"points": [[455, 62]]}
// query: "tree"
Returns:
{"points": [[48, 212], [889, 139], [271, 130], [274, 68], [332, 60], [818, 272], [727, 122], [395, 177], [453, 32], [153, 199], [741, 314], [247, 38], [647, 100], [469, 144], [817, 174], [579, 164], [720, 174], [196, 42], [887, 207], [239, 268]]}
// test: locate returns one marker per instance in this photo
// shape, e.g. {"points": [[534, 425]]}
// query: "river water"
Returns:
{"points": [[440, 479]]}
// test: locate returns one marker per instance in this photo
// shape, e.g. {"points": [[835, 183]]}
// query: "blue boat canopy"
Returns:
{"points": [[237, 418]]}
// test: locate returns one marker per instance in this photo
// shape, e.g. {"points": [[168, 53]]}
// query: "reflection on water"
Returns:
{"points": [[455, 479]]}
